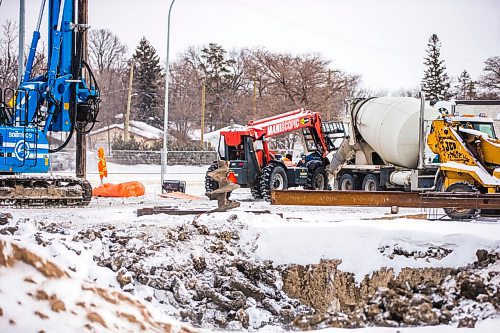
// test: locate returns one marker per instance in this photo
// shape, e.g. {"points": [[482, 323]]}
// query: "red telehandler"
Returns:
{"points": [[252, 164]]}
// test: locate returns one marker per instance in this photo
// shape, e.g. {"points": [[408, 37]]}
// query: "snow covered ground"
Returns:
{"points": [[78, 238]]}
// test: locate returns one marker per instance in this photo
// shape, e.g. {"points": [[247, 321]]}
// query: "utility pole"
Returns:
{"points": [[126, 135], [329, 81], [20, 57], [203, 100], [81, 143], [254, 98]]}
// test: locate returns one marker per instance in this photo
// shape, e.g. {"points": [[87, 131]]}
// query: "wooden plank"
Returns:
{"points": [[385, 199]]}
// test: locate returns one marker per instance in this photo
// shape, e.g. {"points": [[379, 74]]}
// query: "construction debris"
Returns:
{"points": [[222, 193]]}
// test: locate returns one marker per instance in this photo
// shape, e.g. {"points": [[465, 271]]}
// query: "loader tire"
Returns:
{"points": [[439, 186], [317, 179], [273, 178], [462, 213]]}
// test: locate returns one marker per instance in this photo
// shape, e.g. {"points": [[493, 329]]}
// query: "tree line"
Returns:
{"points": [[240, 84], [439, 86]]}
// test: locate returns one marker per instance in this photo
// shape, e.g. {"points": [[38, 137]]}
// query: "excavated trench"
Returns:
{"points": [[204, 272], [327, 289], [414, 297]]}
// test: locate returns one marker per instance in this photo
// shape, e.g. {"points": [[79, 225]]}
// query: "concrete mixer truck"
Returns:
{"points": [[386, 149]]}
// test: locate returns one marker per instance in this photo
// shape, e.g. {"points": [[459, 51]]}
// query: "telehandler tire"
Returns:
{"points": [[273, 178], [255, 190], [317, 179]]}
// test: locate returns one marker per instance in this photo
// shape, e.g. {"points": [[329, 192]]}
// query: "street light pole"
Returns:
{"points": [[164, 159], [126, 136], [203, 101]]}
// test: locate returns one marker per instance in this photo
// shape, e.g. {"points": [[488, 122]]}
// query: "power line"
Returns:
{"points": [[299, 26]]}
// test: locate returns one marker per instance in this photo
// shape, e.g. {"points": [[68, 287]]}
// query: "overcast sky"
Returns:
{"points": [[382, 40]]}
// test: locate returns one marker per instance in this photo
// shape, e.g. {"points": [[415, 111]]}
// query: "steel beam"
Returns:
{"points": [[386, 199], [173, 210]]}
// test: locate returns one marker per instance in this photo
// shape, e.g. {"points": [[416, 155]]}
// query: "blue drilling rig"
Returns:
{"points": [[65, 98]]}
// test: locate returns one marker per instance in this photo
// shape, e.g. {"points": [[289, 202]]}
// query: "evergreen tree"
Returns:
{"points": [[466, 87], [147, 85], [217, 71], [436, 82]]}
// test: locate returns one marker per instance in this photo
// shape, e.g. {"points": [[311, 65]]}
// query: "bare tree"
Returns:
{"points": [[107, 58], [490, 80], [8, 55], [184, 97], [405, 92], [106, 51], [304, 81], [253, 84]]}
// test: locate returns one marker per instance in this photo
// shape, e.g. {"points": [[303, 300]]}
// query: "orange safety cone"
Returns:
{"points": [[101, 165], [232, 177]]}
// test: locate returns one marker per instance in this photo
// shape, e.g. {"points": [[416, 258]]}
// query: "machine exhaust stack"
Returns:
{"points": [[421, 132]]}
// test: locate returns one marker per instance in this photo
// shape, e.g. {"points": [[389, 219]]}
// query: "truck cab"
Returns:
{"points": [[478, 123]]}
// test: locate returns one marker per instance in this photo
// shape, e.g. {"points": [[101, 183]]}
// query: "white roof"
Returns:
{"points": [[195, 134], [137, 128]]}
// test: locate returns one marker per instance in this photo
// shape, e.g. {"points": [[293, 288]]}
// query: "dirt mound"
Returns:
{"points": [[200, 272], [37, 295]]}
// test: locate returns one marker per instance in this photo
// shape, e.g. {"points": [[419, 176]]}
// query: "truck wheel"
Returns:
{"points": [[211, 184], [370, 183], [273, 178], [466, 213], [317, 179], [348, 182]]}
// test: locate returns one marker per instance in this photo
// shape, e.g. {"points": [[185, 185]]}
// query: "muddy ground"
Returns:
{"points": [[203, 271]]}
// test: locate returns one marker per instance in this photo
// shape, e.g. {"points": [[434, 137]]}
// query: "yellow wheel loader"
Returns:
{"points": [[470, 162]]}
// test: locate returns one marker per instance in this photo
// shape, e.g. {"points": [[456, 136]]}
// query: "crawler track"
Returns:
{"points": [[42, 191]]}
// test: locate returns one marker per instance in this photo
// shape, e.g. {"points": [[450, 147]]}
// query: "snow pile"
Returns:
{"points": [[37, 295], [366, 246]]}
